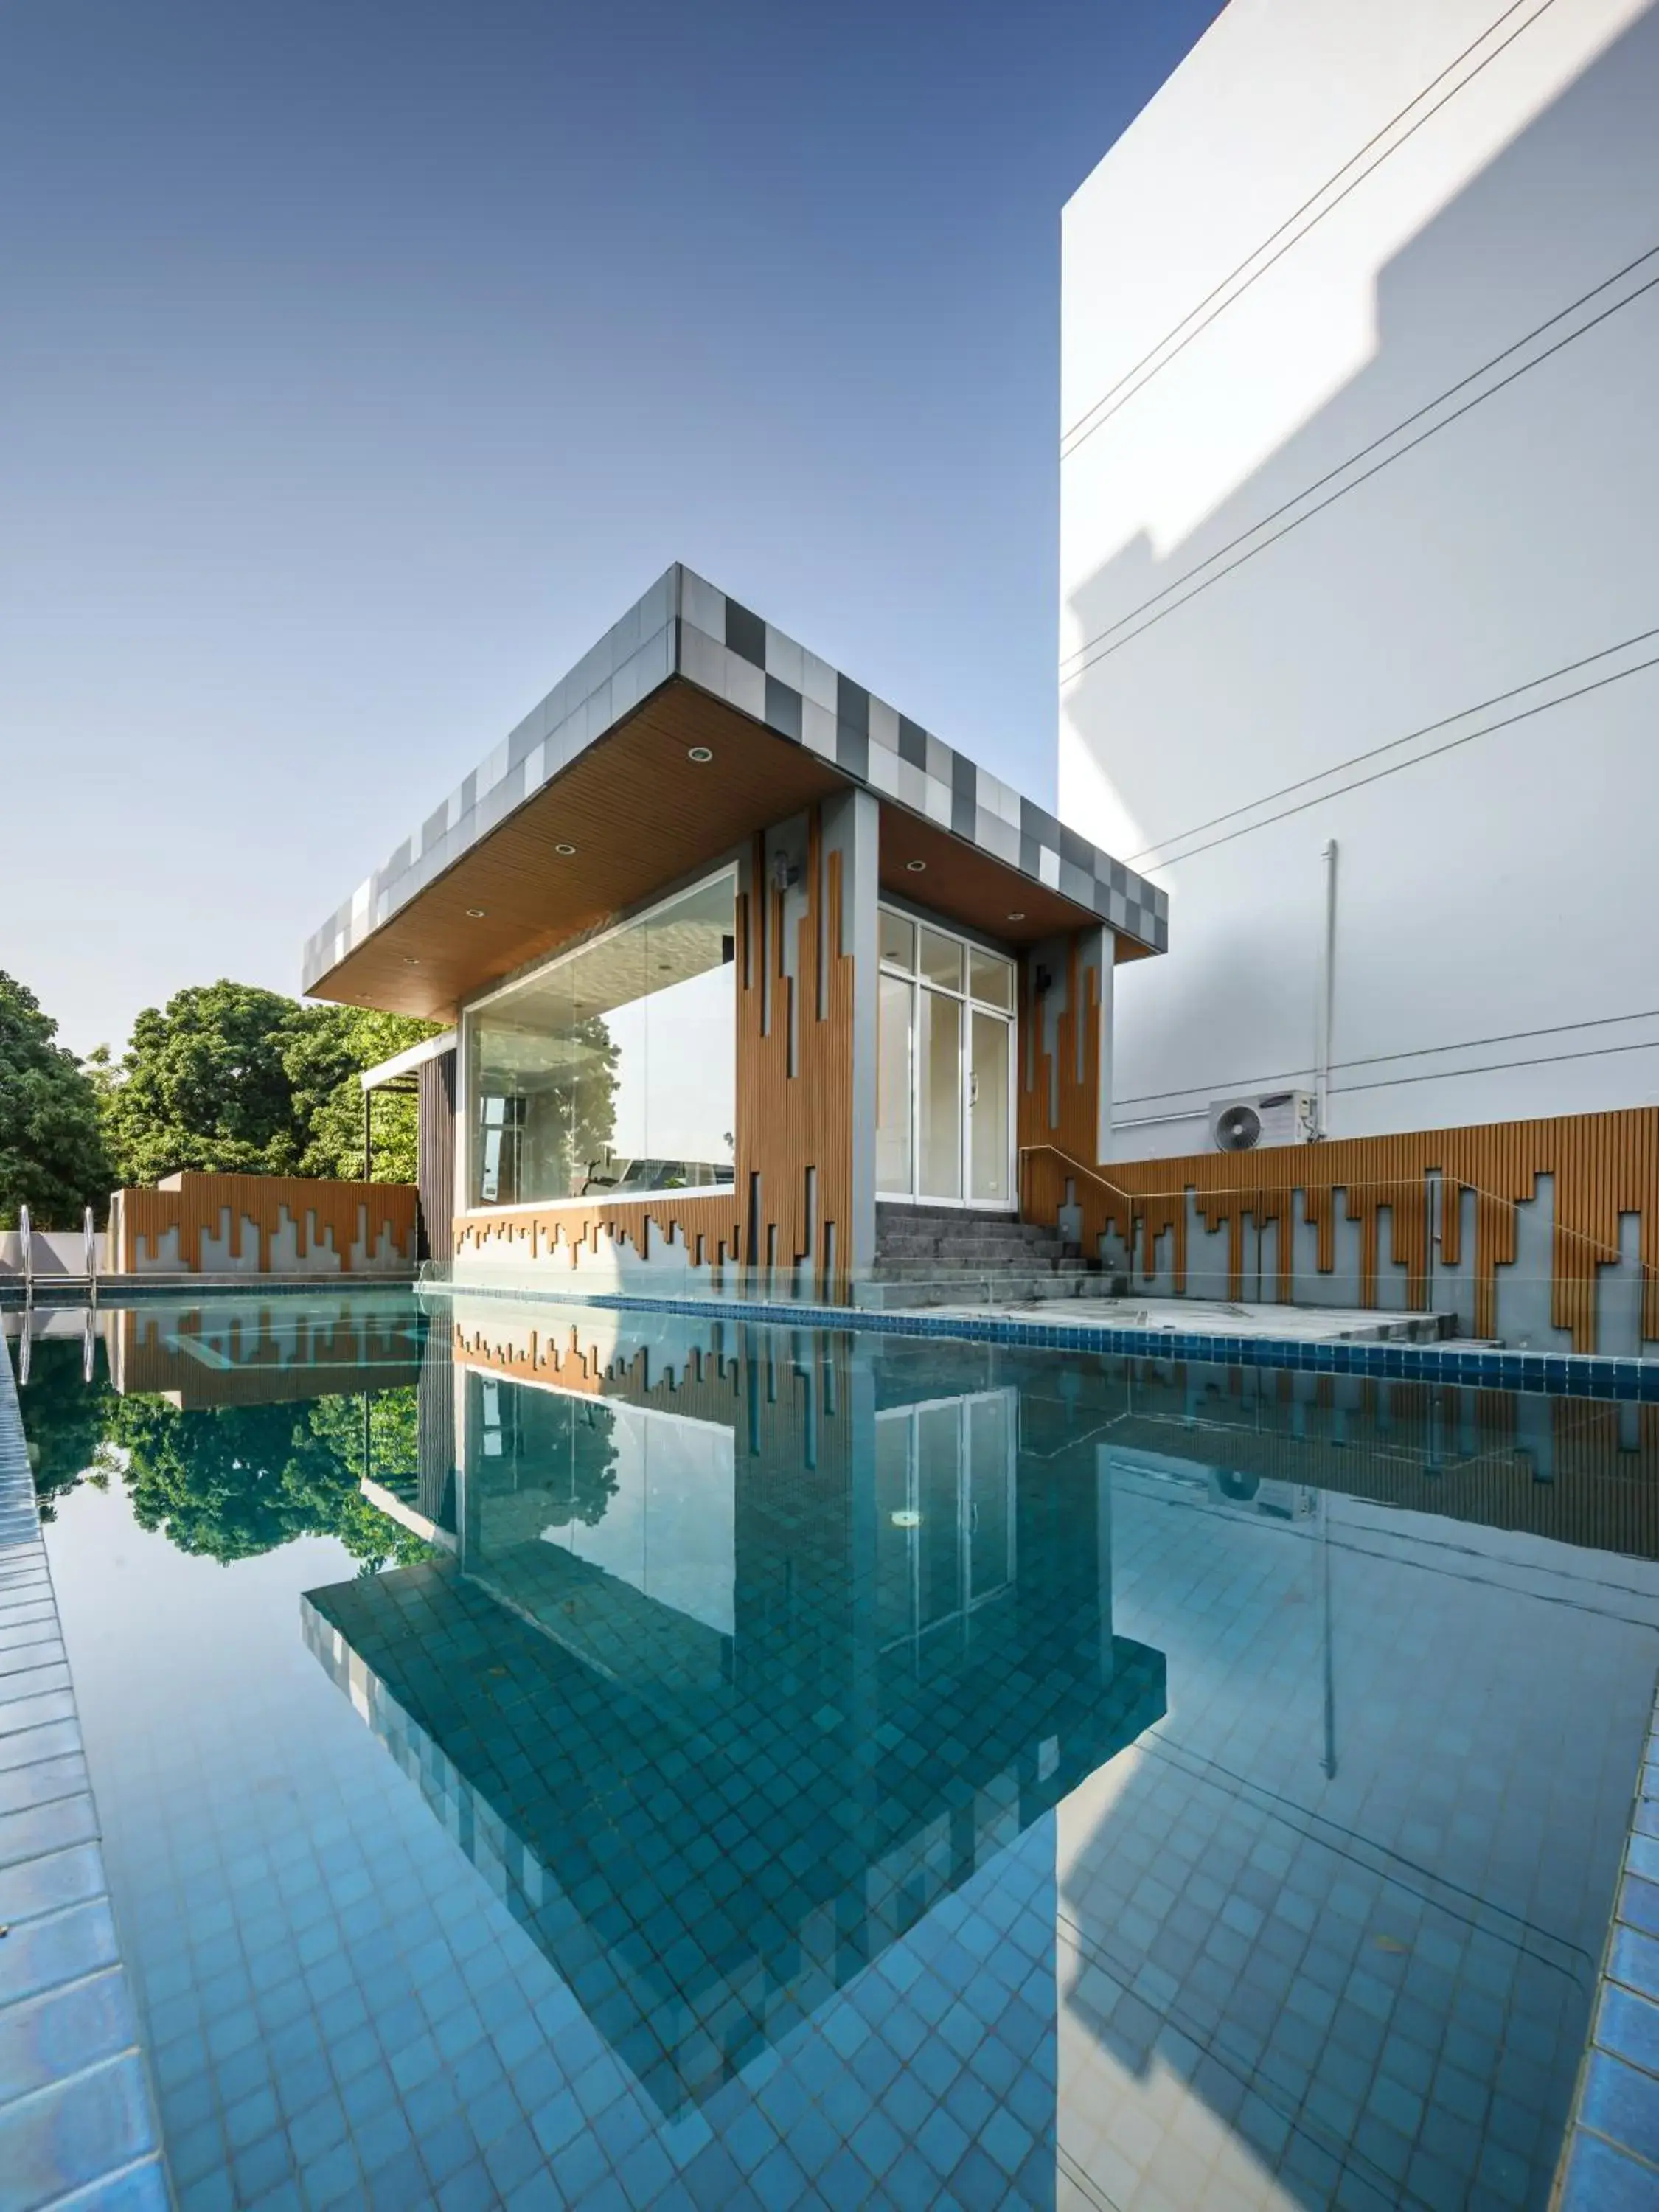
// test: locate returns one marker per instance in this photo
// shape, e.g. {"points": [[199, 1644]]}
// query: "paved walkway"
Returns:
{"points": [[1295, 1324], [77, 2120]]}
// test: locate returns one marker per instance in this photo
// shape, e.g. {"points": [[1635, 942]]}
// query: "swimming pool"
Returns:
{"points": [[564, 1756]]}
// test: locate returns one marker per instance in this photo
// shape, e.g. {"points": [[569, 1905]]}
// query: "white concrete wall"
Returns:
{"points": [[1334, 214]]}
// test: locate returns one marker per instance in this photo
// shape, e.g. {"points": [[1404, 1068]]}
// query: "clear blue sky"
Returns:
{"points": [[361, 362]]}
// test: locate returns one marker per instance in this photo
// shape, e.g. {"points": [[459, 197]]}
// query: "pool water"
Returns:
{"points": [[555, 1756]]}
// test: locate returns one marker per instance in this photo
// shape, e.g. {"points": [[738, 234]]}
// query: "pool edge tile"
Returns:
{"points": [[71, 2102]]}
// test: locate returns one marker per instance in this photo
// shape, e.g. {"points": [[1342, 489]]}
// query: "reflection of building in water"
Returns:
{"points": [[749, 1653], [253, 1352]]}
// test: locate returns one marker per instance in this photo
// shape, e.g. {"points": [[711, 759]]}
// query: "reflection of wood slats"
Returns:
{"points": [[784, 1414], [258, 1357], [1427, 1448], [325, 1217]]}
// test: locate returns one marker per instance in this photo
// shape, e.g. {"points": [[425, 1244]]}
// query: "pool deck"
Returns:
{"points": [[77, 2114]]}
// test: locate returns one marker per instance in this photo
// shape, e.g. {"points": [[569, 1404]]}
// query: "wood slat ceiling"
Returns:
{"points": [[641, 815]]}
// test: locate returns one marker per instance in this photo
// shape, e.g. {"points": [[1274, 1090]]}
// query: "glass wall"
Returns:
{"points": [[945, 1073], [614, 1068]]}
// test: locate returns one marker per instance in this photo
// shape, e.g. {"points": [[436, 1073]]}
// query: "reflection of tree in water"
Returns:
{"points": [[227, 1482], [581, 1477], [65, 1421]]}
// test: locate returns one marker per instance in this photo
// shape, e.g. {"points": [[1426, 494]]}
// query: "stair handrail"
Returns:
{"points": [[1082, 1167]]}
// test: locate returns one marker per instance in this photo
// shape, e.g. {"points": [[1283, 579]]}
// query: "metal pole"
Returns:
{"points": [[368, 1136], [1324, 1012]]}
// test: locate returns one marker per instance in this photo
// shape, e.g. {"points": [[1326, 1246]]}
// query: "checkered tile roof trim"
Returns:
{"points": [[685, 627]]}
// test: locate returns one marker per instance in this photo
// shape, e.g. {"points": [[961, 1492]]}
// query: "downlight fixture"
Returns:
{"points": [[915, 867], [565, 851], [475, 913], [905, 1519], [699, 753], [1019, 916]]}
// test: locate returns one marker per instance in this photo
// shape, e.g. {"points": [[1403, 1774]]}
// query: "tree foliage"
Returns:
{"points": [[53, 1156], [231, 1078]]}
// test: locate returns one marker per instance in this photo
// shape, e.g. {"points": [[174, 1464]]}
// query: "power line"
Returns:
{"points": [[1375, 752], [1380, 1058], [1365, 476], [1496, 1067], [1358, 783], [1342, 466], [1077, 434]]}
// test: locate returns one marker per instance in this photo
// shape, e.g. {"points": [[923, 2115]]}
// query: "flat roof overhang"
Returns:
{"points": [[596, 806]]}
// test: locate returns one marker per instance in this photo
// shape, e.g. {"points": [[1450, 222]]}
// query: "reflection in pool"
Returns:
{"points": [[847, 1767]]}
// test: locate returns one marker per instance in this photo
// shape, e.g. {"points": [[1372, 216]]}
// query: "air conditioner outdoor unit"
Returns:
{"points": [[1279, 1117]]}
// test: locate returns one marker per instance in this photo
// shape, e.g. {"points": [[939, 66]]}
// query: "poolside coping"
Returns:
{"points": [[77, 2113]]}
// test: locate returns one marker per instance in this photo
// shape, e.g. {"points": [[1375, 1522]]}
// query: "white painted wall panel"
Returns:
{"points": [[1211, 656]]}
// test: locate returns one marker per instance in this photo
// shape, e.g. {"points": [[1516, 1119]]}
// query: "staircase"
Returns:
{"points": [[934, 1256]]}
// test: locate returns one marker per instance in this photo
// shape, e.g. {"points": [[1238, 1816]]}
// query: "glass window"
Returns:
{"points": [[991, 979], [988, 1041], [938, 1095], [615, 1068], [893, 1081], [941, 959], [898, 940]]}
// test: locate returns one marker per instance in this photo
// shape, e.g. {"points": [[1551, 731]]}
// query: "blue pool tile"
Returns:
{"points": [[1600, 2179], [1634, 1960], [1621, 2103]]}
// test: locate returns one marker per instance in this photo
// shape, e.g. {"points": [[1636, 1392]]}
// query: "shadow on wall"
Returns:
{"points": [[1468, 515]]}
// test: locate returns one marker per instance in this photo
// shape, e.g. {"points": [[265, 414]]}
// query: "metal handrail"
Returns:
{"points": [[1081, 1168]]}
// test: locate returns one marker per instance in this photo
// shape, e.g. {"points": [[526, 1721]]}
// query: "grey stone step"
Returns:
{"points": [[992, 1290], [989, 1254], [1018, 1239]]}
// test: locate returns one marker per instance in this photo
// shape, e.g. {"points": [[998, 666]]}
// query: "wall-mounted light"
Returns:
{"points": [[915, 867], [566, 851], [1043, 983], [698, 753]]}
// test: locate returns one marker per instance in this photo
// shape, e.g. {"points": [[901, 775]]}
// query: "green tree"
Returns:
{"points": [[53, 1158], [65, 1421], [204, 1086], [229, 1077], [328, 1048]]}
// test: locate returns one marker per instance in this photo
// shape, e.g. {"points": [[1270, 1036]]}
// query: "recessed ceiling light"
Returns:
{"points": [[1017, 917], [698, 753], [915, 867], [410, 961], [475, 913], [904, 1519], [567, 850]]}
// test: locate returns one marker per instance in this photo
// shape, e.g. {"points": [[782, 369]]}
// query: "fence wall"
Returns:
{"points": [[1543, 1232]]}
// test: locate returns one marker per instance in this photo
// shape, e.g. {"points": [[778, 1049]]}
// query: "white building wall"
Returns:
{"points": [[1361, 405]]}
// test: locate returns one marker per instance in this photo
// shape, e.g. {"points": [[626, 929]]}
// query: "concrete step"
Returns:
{"points": [[994, 1290], [1018, 1240], [943, 1271], [982, 1254]]}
